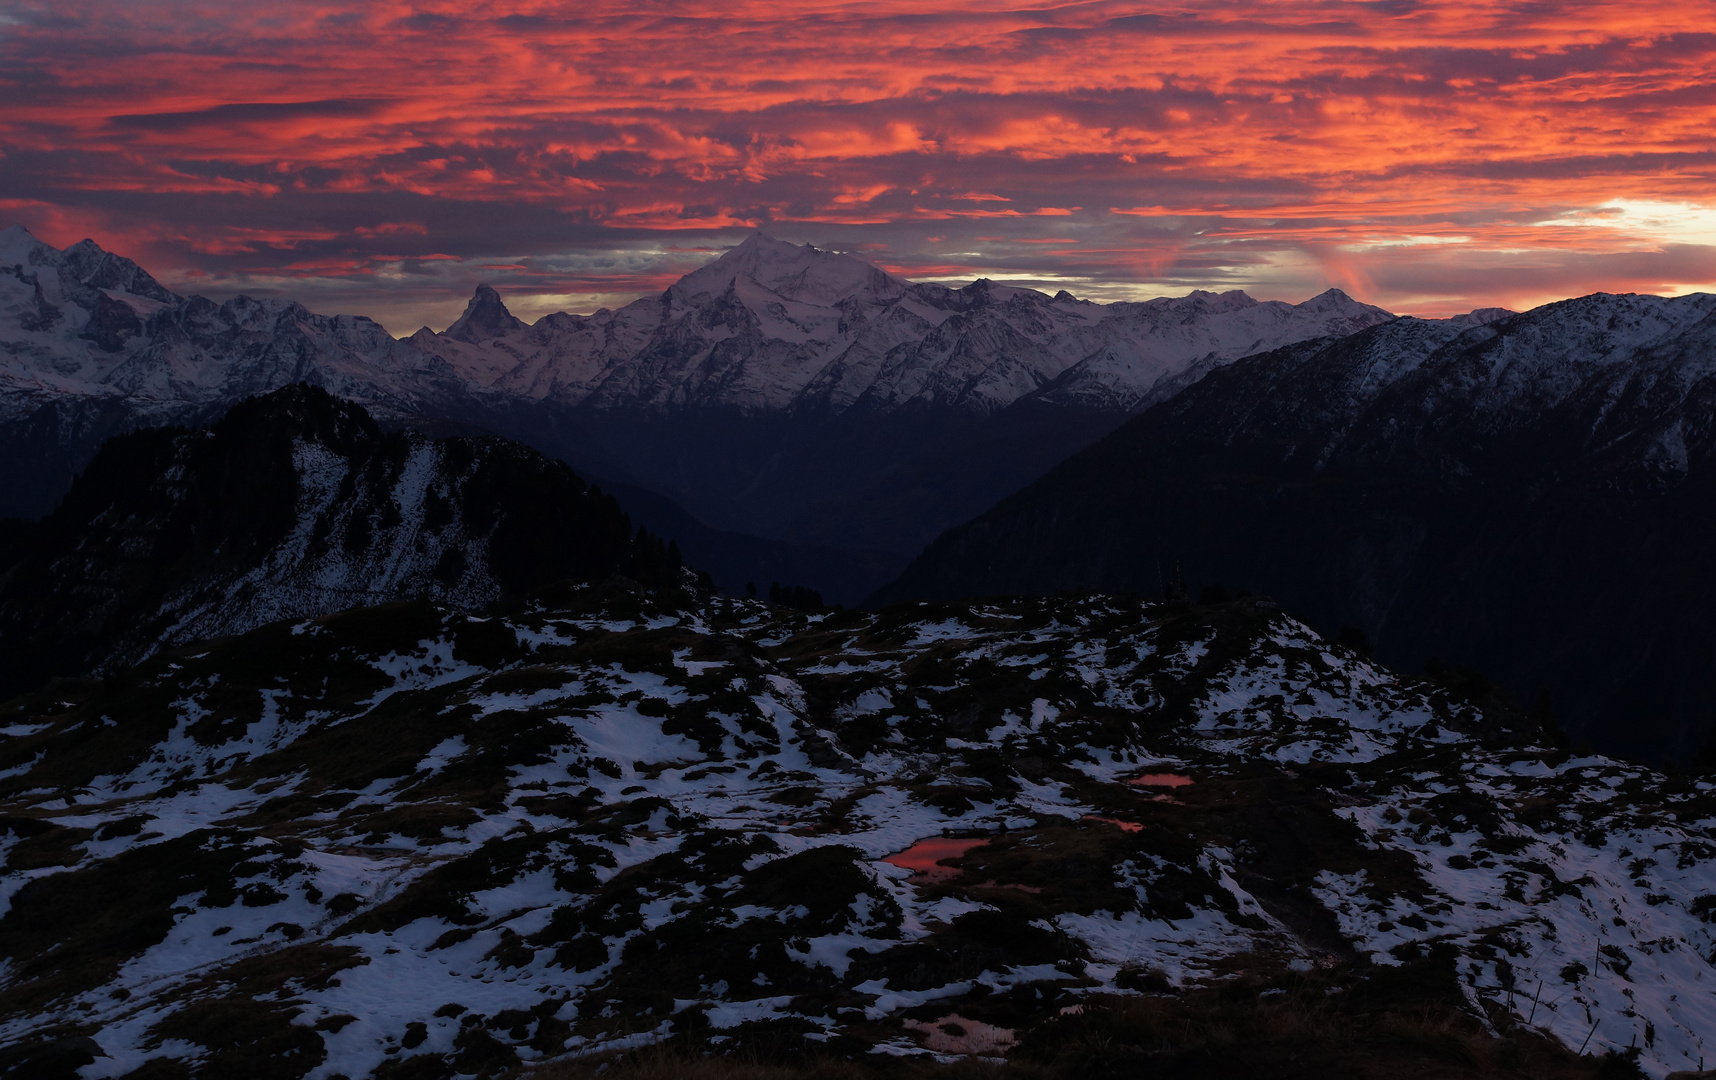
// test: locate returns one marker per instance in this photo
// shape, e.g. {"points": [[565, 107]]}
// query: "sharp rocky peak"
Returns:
{"points": [[486, 317]]}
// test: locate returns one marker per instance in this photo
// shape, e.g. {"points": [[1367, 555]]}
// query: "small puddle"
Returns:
{"points": [[954, 1034], [1126, 826], [925, 856], [1160, 779]]}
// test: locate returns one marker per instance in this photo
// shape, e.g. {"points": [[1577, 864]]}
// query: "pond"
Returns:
{"points": [[925, 856], [1161, 779]]}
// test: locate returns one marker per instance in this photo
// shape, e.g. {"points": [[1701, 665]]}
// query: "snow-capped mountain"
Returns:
{"points": [[776, 326], [769, 325], [91, 345], [1531, 495], [805, 394], [1080, 831], [293, 505], [718, 393], [85, 323]]}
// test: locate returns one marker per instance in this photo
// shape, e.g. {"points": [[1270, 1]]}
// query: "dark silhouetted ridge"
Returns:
{"points": [[295, 504]]}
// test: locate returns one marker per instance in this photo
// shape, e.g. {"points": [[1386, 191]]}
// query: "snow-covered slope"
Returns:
{"points": [[407, 839], [1153, 345], [84, 323]]}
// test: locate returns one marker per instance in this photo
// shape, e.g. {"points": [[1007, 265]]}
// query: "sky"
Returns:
{"points": [[383, 157]]}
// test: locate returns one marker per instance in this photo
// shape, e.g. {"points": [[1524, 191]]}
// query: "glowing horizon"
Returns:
{"points": [[382, 158]]}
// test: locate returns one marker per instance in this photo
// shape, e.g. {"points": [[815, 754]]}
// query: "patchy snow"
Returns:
{"points": [[533, 835]]}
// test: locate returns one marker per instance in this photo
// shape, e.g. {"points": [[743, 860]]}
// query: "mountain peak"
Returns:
{"points": [[19, 246], [795, 272], [485, 319], [95, 266], [1332, 299], [760, 241]]}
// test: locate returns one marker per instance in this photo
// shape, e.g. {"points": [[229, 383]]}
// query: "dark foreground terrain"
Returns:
{"points": [[1088, 836]]}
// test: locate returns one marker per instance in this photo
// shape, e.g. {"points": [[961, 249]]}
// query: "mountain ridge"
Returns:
{"points": [[1525, 496], [292, 505], [851, 322]]}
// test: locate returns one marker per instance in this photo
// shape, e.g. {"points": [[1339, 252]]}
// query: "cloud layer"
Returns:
{"points": [[384, 156]]}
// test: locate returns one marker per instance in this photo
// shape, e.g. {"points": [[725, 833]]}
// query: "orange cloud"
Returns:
{"points": [[1268, 143]]}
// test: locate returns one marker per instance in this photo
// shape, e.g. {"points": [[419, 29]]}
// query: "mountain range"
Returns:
{"points": [[781, 391], [1531, 497], [777, 327]]}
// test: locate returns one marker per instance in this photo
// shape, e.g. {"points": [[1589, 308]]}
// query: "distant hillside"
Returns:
{"points": [[1534, 498], [293, 505]]}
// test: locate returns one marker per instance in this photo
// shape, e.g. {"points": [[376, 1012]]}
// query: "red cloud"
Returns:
{"points": [[1232, 139]]}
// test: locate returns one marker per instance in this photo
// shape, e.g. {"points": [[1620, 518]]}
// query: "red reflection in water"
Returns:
{"points": [[1160, 779], [1127, 826], [925, 856], [954, 1034]]}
